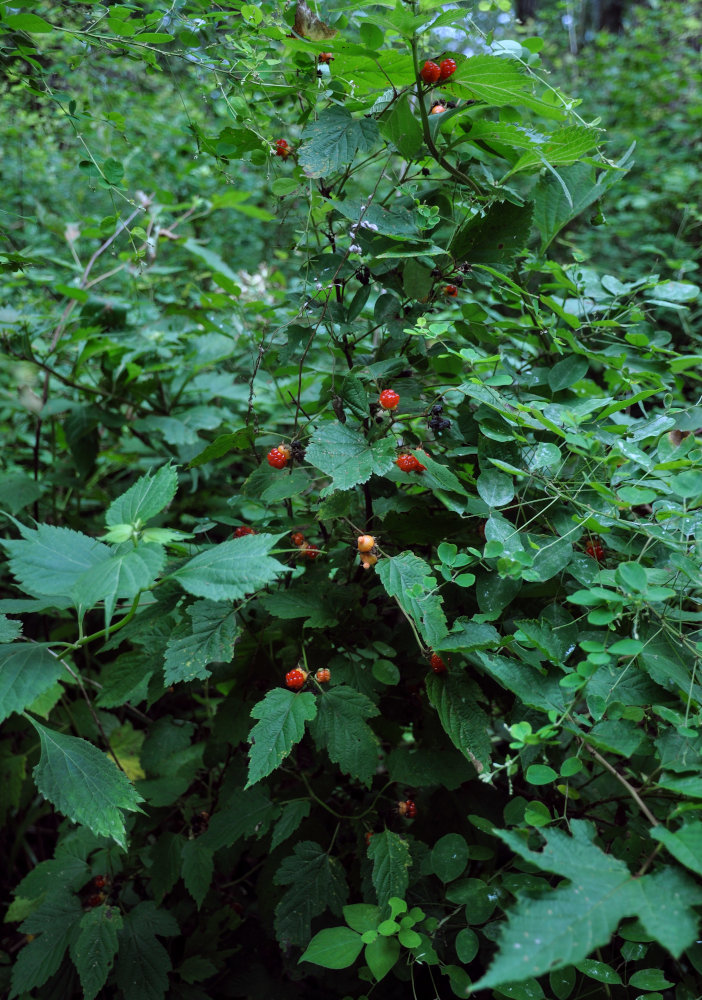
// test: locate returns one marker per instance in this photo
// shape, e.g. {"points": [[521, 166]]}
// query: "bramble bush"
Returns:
{"points": [[352, 589]]}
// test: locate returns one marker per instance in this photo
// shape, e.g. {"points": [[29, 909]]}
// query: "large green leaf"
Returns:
{"points": [[84, 784], [409, 579], [403, 128], [340, 727], [50, 560], [143, 963], [345, 456], [333, 140], [494, 238], [198, 868], [282, 716], [123, 575], [95, 947], [560, 199], [52, 924], [232, 569], [684, 844], [333, 948], [27, 670], [209, 635], [316, 882], [498, 82], [247, 812], [391, 861], [145, 499], [464, 722]]}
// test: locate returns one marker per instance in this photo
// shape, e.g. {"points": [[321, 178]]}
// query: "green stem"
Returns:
{"points": [[109, 630]]}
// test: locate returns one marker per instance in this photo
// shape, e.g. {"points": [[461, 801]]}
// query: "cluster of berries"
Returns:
{"points": [[307, 551], [432, 72], [408, 809], [297, 678], [437, 423], [282, 149], [279, 457], [367, 550], [243, 530], [595, 549]]}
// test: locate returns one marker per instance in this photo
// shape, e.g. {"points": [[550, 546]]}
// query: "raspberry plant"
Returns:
{"points": [[522, 824]]}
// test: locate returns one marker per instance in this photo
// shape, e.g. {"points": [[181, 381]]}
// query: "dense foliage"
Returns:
{"points": [[350, 626]]}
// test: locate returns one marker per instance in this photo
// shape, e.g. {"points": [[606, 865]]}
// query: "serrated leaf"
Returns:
{"points": [[232, 569], [145, 499], [316, 883], [84, 784], [54, 922], [27, 670], [292, 814], [345, 456], [126, 679], [143, 963], [403, 128], [391, 861], [50, 560], [198, 868], [464, 722], [282, 716], [684, 844], [558, 200], [320, 609], [498, 82], [333, 948], [340, 728], [94, 950], [9, 631], [333, 140], [123, 575], [409, 579], [209, 636], [495, 238], [247, 811]]}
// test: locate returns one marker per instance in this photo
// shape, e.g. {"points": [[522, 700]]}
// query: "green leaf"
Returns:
{"points": [[53, 922], [685, 844], [94, 950], [362, 917], [467, 945], [409, 579], [51, 560], [649, 979], [26, 671], [403, 129], [562, 148], [232, 569], [27, 22], [341, 729], [282, 716], [9, 630], [540, 774], [316, 883], [345, 456], [143, 963], [493, 239], [246, 812], [382, 955], [562, 982], [560, 199], [600, 971], [333, 948], [333, 140], [449, 857], [391, 861], [145, 499], [209, 636], [292, 814], [198, 869], [498, 82], [495, 488], [464, 722], [123, 575], [84, 784]]}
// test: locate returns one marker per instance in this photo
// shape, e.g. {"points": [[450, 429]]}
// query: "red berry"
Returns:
{"points": [[407, 809], [437, 664], [323, 675], [282, 148], [447, 67], [430, 72], [437, 109], [309, 551], [451, 291], [243, 530], [295, 679], [297, 538], [408, 463], [369, 836], [389, 399], [277, 458], [96, 900], [100, 881], [325, 57], [595, 550]]}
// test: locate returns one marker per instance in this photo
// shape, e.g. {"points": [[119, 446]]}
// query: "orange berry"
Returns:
{"points": [[365, 543]]}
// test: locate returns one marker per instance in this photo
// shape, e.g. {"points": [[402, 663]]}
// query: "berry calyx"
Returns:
{"points": [[447, 67], [408, 809], [437, 109], [430, 72], [325, 58], [451, 291], [297, 538], [408, 463], [243, 530], [276, 458], [389, 399], [365, 543], [295, 679], [437, 664], [309, 551], [323, 675], [595, 550]]}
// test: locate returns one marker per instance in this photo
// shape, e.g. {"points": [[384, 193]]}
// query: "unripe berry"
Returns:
{"points": [[408, 809], [437, 109], [451, 291], [309, 551], [323, 675], [365, 543], [367, 560]]}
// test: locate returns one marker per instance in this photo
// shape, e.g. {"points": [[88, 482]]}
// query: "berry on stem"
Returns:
{"points": [[325, 57], [286, 450], [365, 543], [276, 458], [282, 149], [408, 463], [437, 109], [323, 675], [367, 560], [309, 551], [297, 538], [595, 549], [447, 67], [408, 809], [243, 530], [430, 72], [437, 664], [295, 679], [451, 291], [389, 399]]}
